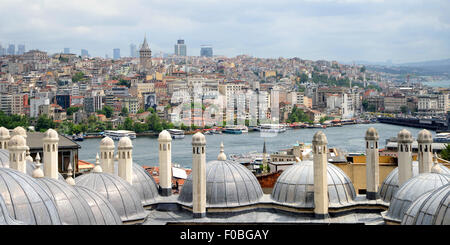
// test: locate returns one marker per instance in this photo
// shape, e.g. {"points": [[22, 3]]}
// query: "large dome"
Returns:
{"points": [[295, 186], [228, 184], [390, 184], [5, 218], [143, 183], [432, 208], [411, 190], [117, 191], [26, 199], [4, 158], [103, 211], [72, 208]]}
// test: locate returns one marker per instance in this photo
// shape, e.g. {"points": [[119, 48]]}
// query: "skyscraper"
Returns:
{"points": [[2, 50], [206, 51], [67, 50], [116, 53], [11, 49], [21, 49], [84, 53], [180, 48], [133, 51]]}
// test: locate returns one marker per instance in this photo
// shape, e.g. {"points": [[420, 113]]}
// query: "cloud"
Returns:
{"points": [[344, 30]]}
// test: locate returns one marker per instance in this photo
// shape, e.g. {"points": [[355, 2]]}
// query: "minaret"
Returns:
{"points": [[125, 149], [199, 175], [4, 138], [165, 163], [69, 179], [107, 155], [50, 148], [264, 161], [404, 142], [17, 148], [320, 160], [20, 131], [372, 164], [425, 151]]}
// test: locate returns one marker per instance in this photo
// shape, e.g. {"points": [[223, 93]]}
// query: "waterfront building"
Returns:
{"points": [[180, 48], [394, 103]]}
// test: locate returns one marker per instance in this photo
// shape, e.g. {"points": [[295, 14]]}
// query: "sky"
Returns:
{"points": [[342, 30]]}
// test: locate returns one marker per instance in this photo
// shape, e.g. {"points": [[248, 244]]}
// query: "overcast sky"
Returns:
{"points": [[343, 30]]}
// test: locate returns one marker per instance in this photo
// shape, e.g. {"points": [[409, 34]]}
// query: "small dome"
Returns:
{"points": [[20, 131], [425, 136], [5, 218], [404, 136], [143, 183], [72, 208], [51, 134], [4, 133], [164, 136], [125, 142], [390, 184], [26, 199], [17, 141], [411, 190], [31, 167], [198, 138], [295, 186], [432, 208], [103, 211], [107, 141], [372, 134], [320, 138], [228, 184], [117, 191]]}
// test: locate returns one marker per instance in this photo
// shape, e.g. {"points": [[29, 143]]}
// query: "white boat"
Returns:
{"points": [[235, 129], [442, 138], [176, 133], [117, 134], [272, 128]]}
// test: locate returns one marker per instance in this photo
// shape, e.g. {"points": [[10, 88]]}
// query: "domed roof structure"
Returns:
{"points": [[103, 211], [372, 134], [4, 158], [295, 186], [432, 208], [26, 200], [164, 136], [390, 184], [425, 136], [5, 218], [72, 208], [319, 138], [17, 141], [143, 183], [228, 184], [404, 136], [411, 190], [117, 191], [125, 142], [19, 131], [51, 134], [107, 141], [4, 132], [198, 138]]}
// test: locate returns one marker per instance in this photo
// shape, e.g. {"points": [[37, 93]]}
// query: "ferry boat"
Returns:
{"points": [[442, 138], [78, 137], [117, 134], [239, 129], [272, 128], [176, 133]]}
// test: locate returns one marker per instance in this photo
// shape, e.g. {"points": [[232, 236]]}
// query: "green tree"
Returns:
{"points": [[108, 111], [124, 112], [445, 153], [404, 109], [128, 124], [72, 110], [77, 77], [43, 123]]}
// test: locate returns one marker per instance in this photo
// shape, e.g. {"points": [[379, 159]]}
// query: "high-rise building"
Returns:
{"points": [[2, 50], [11, 49], [133, 53], [84, 53], [67, 50], [206, 51], [180, 48], [21, 49], [116, 53], [145, 57]]}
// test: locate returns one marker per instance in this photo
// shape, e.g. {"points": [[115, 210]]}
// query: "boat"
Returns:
{"points": [[176, 133], [78, 137], [442, 138], [239, 129], [272, 128], [117, 134]]}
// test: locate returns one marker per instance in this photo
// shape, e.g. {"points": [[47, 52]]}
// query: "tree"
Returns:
{"points": [[72, 110], [124, 112], [108, 111], [128, 124], [445, 153], [77, 77], [404, 109], [43, 123]]}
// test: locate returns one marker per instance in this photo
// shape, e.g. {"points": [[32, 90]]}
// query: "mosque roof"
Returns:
{"points": [[5, 218]]}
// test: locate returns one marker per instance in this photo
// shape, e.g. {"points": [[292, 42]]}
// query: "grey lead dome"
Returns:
{"points": [[295, 186], [26, 199], [432, 208], [5, 218], [228, 184], [117, 191]]}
